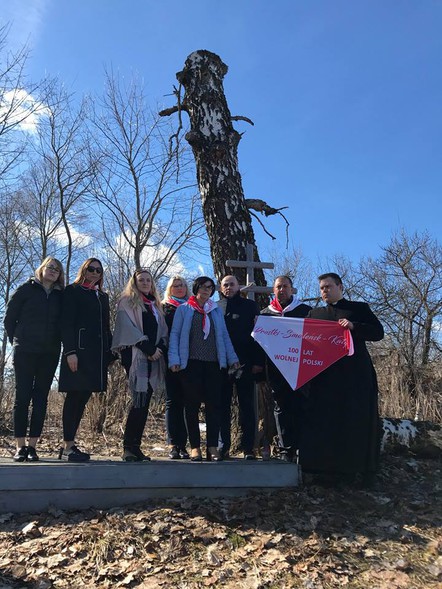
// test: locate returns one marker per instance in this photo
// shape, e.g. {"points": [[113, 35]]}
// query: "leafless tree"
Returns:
{"points": [[16, 261], [214, 143], [21, 103], [405, 287], [63, 177], [149, 207], [292, 262]]}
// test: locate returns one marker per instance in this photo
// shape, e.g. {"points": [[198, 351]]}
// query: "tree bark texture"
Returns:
{"points": [[214, 142]]}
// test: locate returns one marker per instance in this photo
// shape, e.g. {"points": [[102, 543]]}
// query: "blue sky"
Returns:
{"points": [[345, 95]]}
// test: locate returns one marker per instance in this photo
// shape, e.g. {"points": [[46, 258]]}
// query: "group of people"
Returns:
{"points": [[198, 350]]}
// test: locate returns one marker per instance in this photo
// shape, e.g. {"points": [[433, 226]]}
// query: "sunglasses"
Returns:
{"points": [[53, 268], [178, 285], [94, 269]]}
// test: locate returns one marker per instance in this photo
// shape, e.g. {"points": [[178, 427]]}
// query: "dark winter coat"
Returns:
{"points": [[32, 319], [342, 424], [239, 315], [85, 331]]}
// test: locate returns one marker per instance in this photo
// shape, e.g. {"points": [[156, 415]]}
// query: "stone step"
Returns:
{"points": [[106, 483]]}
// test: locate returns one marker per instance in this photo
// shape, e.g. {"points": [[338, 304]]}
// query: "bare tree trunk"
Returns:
{"points": [[214, 142]]}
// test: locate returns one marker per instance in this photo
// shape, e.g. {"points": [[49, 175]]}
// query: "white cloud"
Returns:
{"points": [[23, 110], [79, 240], [151, 257]]}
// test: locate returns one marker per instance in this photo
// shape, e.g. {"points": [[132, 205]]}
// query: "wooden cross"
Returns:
{"points": [[251, 289]]}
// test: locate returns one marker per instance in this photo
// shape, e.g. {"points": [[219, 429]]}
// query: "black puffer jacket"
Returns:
{"points": [[85, 332], [32, 319]]}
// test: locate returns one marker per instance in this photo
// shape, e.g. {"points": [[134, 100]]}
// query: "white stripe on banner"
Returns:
{"points": [[282, 345]]}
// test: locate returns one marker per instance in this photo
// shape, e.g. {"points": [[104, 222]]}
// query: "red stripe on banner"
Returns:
{"points": [[302, 348]]}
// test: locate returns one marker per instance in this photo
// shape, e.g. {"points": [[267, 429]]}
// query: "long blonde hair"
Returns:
{"points": [[81, 274], [168, 290], [132, 293], [48, 260]]}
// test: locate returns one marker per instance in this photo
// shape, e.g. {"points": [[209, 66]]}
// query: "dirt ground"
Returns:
{"points": [[311, 537]]}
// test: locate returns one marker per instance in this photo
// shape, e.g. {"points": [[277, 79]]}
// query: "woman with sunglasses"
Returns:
{"points": [[32, 323], [200, 347], [86, 337], [176, 294], [141, 338]]}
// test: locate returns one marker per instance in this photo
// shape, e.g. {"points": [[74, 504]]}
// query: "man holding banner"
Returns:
{"points": [[341, 433], [288, 405]]}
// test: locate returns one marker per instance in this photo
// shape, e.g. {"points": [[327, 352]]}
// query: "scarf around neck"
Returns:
{"points": [[208, 308], [127, 333], [89, 285], [151, 306], [275, 306], [175, 301]]}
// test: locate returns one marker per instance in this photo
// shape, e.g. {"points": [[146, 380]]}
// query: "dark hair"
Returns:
{"points": [[335, 277], [198, 282], [81, 275], [285, 277]]}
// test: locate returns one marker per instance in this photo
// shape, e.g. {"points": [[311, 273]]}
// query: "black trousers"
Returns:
{"points": [[175, 423], [73, 409], [202, 383], [34, 373], [289, 407], [136, 422], [245, 389]]}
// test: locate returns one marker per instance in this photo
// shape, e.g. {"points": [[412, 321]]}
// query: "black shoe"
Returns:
{"points": [[286, 455], [32, 454], [225, 454], [21, 455], [134, 454], [184, 454], [249, 455], [174, 453], [73, 454], [213, 454], [195, 455]]}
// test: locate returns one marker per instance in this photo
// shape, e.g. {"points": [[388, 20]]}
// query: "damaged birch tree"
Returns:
{"points": [[214, 143]]}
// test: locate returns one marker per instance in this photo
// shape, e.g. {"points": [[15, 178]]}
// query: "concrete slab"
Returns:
{"points": [[36, 487]]}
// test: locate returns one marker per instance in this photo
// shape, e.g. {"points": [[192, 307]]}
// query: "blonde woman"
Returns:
{"points": [[86, 337], [176, 294], [32, 323], [141, 338]]}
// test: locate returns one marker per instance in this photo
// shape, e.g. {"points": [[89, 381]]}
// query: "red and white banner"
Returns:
{"points": [[302, 348]]}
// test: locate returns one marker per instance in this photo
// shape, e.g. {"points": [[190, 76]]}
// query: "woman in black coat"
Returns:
{"points": [[86, 338], [32, 322], [176, 294]]}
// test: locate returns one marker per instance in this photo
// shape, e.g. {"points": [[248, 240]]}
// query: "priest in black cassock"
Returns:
{"points": [[341, 430]]}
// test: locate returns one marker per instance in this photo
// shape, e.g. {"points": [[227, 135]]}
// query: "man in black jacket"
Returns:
{"points": [[239, 314], [288, 404]]}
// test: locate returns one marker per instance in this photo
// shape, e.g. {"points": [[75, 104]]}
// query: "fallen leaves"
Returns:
{"points": [[309, 538]]}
